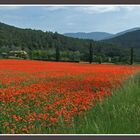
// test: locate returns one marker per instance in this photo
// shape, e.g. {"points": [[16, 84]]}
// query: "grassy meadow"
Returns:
{"points": [[38, 97]]}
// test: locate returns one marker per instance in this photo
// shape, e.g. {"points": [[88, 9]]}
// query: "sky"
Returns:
{"points": [[65, 19]]}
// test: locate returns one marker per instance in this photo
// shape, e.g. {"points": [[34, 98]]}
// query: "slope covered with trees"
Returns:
{"points": [[130, 39], [44, 46]]}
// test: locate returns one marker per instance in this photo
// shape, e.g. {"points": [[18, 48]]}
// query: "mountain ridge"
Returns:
{"points": [[98, 36], [129, 39], [42, 45], [123, 32], [91, 35]]}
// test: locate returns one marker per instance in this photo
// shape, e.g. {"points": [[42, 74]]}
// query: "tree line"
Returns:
{"points": [[75, 56], [56, 47]]}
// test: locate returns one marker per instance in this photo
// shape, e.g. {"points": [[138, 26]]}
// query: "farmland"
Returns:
{"points": [[37, 96]]}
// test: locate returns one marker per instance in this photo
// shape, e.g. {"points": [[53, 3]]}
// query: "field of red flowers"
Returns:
{"points": [[39, 95]]}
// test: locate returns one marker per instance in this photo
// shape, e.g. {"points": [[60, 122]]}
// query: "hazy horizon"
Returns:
{"points": [[72, 19]]}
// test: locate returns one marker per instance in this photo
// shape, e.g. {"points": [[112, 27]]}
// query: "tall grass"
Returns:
{"points": [[117, 114]]}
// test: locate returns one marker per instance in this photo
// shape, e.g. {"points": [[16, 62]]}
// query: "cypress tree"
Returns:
{"points": [[57, 53], [131, 56], [100, 59], [90, 53]]}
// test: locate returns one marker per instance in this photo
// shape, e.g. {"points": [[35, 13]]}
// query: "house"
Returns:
{"points": [[4, 55], [18, 54]]}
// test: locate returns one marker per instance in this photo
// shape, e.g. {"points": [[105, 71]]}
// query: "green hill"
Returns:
{"points": [[42, 45], [129, 39]]}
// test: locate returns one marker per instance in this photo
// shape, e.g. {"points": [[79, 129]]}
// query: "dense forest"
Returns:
{"points": [[128, 40], [41, 45]]}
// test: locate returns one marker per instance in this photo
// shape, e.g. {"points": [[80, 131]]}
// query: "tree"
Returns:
{"points": [[57, 53], [131, 56], [43, 45], [100, 59], [90, 53]]}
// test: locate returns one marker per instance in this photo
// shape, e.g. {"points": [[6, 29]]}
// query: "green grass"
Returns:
{"points": [[117, 114]]}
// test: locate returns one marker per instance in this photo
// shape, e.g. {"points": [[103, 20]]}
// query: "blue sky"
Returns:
{"points": [[65, 19]]}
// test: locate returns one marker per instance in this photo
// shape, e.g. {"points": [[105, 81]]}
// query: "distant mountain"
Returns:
{"points": [[93, 35], [99, 35], [123, 32], [13, 39], [129, 38], [42, 45]]}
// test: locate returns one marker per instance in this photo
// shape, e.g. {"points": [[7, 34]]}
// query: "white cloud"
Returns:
{"points": [[84, 8], [70, 24], [129, 8], [54, 8], [88, 9], [12, 17], [105, 8], [93, 9], [10, 7], [98, 9]]}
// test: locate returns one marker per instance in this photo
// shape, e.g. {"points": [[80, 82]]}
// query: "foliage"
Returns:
{"points": [[117, 114], [38, 96], [44, 45]]}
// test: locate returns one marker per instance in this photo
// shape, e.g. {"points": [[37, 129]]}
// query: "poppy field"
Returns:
{"points": [[36, 95]]}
